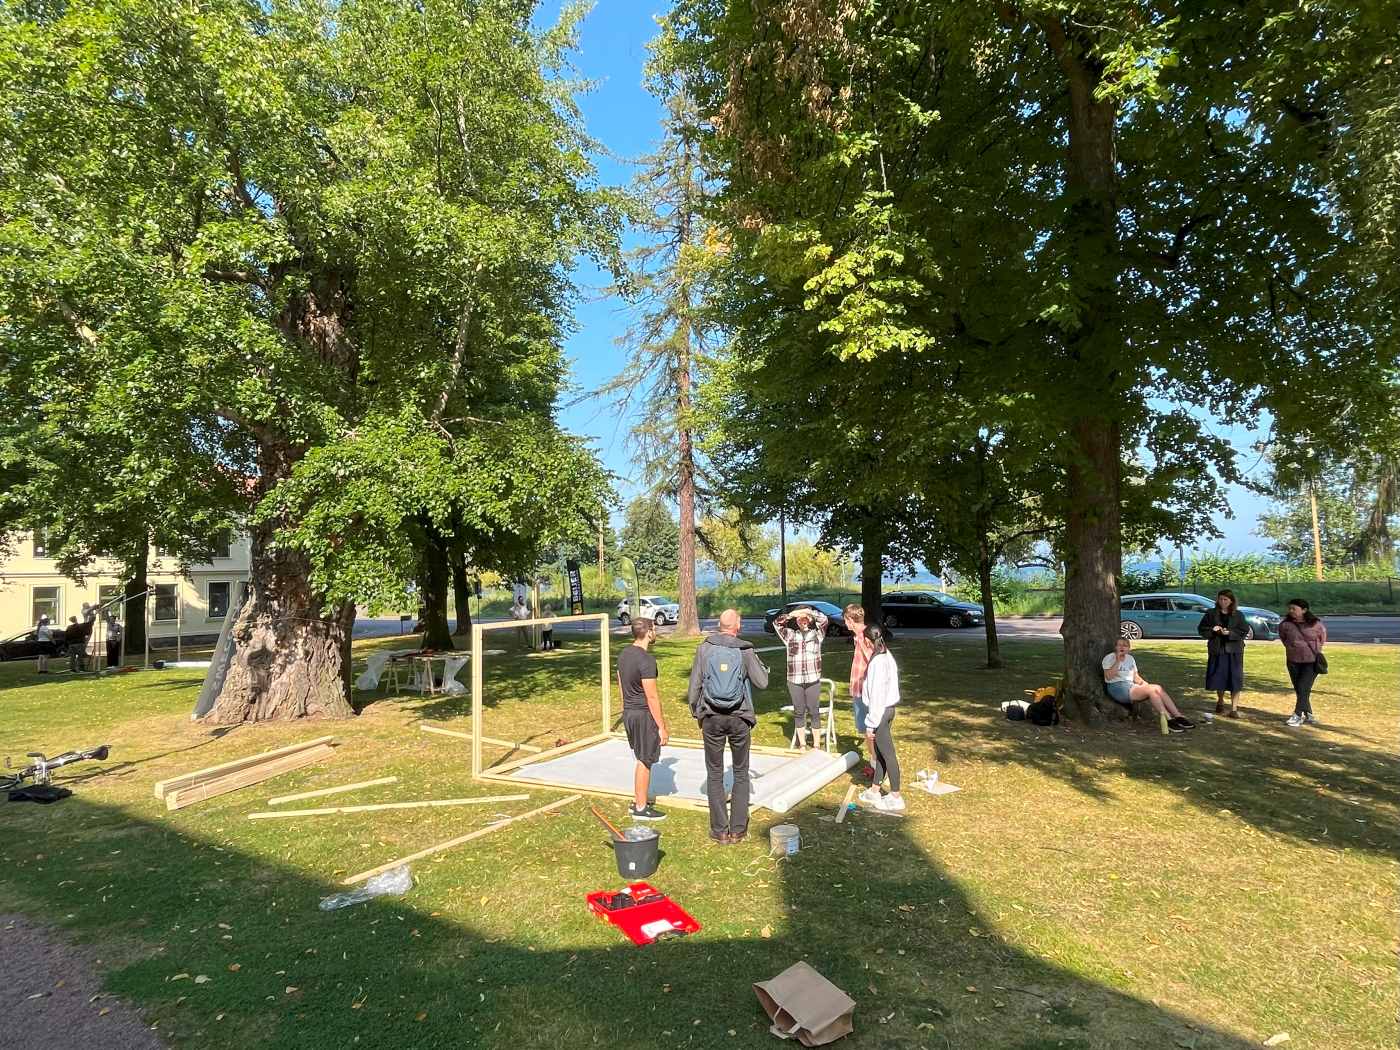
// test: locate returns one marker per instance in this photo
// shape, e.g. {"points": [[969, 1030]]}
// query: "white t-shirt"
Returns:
{"points": [[1126, 673]]}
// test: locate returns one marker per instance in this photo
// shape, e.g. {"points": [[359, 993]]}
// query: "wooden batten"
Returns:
{"points": [[241, 778], [184, 780]]}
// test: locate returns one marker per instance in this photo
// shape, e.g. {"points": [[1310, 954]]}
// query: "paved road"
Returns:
{"points": [[1339, 629]]}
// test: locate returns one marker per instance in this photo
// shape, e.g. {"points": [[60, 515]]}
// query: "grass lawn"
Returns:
{"points": [[1110, 888]]}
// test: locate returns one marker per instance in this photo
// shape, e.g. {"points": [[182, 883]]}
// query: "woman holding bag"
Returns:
{"points": [[1303, 635], [1224, 629]]}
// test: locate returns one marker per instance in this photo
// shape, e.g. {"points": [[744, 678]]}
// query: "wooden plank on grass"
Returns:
{"points": [[553, 752], [678, 801], [513, 745], [459, 840], [242, 778], [184, 780], [331, 791], [329, 810], [846, 804]]}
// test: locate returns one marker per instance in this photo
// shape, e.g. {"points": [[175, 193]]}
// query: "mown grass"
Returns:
{"points": [[1086, 888]]}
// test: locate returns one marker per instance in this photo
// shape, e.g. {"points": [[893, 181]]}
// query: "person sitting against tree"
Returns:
{"points": [[804, 669], [1125, 685]]}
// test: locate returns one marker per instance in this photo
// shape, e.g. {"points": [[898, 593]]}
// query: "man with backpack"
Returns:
{"points": [[721, 698]]}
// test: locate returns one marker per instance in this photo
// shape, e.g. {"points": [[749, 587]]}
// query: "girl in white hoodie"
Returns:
{"points": [[881, 696]]}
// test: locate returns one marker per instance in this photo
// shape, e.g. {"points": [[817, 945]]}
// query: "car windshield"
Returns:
{"points": [[656, 599]]}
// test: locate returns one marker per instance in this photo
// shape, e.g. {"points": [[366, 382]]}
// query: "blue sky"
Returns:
{"points": [[625, 119]]}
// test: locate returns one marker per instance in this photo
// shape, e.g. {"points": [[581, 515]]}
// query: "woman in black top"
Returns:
{"points": [[1225, 630]]}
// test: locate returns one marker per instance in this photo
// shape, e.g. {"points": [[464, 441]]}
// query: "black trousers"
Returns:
{"points": [[886, 761], [1302, 676], [716, 731]]}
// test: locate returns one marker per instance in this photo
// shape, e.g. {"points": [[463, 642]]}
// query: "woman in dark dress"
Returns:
{"points": [[1224, 629]]}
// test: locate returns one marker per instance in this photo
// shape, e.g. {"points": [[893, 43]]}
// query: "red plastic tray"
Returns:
{"points": [[644, 923]]}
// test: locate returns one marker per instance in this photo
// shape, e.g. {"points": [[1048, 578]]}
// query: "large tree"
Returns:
{"points": [[277, 236], [1097, 212]]}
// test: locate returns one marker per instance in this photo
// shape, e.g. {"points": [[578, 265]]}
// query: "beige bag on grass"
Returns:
{"points": [[805, 1006]]}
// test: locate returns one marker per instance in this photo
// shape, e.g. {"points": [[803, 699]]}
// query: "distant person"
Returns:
{"points": [[1225, 629], [89, 612], [519, 611], [547, 633], [854, 616], [43, 637], [73, 638], [881, 693], [1303, 635], [722, 678], [114, 641], [646, 727], [1120, 675], [803, 630]]}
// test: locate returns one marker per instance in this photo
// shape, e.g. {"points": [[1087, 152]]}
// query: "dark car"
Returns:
{"points": [[927, 609], [25, 646], [835, 619]]}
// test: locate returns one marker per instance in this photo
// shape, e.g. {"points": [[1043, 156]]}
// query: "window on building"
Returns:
{"points": [[46, 603], [221, 545], [166, 599], [41, 543], [218, 599], [110, 592]]}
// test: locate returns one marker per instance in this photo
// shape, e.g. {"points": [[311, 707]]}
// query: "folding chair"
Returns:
{"points": [[829, 731]]}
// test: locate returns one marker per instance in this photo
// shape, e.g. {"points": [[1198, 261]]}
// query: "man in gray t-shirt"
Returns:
{"points": [[641, 714]]}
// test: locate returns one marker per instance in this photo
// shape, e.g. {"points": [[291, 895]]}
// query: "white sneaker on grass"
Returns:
{"points": [[1311, 719], [892, 804], [871, 796], [1294, 720]]}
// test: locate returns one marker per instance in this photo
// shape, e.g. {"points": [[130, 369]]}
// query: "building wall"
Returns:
{"points": [[31, 575]]}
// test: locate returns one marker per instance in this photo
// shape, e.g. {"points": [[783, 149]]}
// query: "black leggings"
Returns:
{"points": [[886, 761], [1303, 676]]}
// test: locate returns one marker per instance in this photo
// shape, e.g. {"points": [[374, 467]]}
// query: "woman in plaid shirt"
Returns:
{"points": [[804, 667]]}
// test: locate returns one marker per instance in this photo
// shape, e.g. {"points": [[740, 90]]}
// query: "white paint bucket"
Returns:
{"points": [[784, 839]]}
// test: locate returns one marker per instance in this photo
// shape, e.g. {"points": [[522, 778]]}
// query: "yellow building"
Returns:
{"points": [[190, 600]]}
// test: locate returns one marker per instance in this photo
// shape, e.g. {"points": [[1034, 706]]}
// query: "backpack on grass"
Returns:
{"points": [[723, 679], [1045, 708]]}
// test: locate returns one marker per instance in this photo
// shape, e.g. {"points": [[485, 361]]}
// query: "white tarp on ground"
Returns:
{"points": [[608, 766]]}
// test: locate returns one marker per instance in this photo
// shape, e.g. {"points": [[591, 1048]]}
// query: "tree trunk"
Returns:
{"points": [[461, 594], [133, 607], [688, 624], [1093, 450], [872, 569], [433, 576], [289, 661], [989, 612]]}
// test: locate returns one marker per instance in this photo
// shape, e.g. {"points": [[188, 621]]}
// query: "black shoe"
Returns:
{"points": [[647, 812], [721, 838], [1174, 726], [1181, 722]]}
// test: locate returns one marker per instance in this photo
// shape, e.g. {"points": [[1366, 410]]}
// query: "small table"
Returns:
{"points": [[423, 662]]}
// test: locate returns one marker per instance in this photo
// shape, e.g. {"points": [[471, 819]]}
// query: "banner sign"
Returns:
{"points": [[575, 588]]}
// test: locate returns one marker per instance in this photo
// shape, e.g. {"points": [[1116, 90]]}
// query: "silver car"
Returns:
{"points": [[659, 610]]}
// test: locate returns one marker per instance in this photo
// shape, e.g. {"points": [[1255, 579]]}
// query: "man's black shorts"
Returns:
{"points": [[643, 736]]}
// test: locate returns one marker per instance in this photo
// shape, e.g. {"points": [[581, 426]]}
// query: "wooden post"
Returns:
{"points": [[605, 662], [1316, 532], [477, 678]]}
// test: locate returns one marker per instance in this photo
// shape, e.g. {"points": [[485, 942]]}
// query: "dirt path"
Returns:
{"points": [[52, 995]]}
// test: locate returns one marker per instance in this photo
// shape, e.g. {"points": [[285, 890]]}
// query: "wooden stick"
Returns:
{"points": [[513, 745], [553, 752], [459, 840], [184, 780], [846, 804], [242, 778], [386, 805], [607, 823], [331, 791]]}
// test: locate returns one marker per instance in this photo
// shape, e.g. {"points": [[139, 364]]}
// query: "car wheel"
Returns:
{"points": [[955, 620], [1130, 629], [659, 619], [1249, 633], [624, 619], [891, 620]]}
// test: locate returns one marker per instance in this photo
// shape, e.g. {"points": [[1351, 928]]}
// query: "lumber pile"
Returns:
{"points": [[189, 788]]}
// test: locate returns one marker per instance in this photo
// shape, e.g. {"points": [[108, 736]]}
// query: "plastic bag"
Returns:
{"points": [[395, 882]]}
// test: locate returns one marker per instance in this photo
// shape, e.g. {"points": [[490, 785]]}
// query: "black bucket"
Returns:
{"points": [[637, 859]]}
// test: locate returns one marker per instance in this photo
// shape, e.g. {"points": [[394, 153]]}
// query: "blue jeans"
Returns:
{"points": [[858, 709]]}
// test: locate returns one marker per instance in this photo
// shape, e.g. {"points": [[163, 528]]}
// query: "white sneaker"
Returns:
{"points": [[1294, 720], [892, 804], [1311, 720], [871, 796]]}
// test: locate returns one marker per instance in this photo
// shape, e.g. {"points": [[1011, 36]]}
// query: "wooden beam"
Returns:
{"points": [[331, 791], [184, 780], [845, 804], [677, 801], [758, 749], [477, 685], [605, 659], [553, 752], [330, 810], [242, 778], [540, 621], [459, 840], [512, 744]]}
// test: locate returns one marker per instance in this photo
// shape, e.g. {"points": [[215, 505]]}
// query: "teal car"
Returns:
{"points": [[1172, 615]]}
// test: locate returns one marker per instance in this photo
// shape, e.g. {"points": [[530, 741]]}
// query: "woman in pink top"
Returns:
{"points": [[854, 615], [1303, 635]]}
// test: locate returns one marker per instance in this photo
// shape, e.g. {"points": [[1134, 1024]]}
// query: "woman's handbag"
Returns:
{"points": [[1321, 663]]}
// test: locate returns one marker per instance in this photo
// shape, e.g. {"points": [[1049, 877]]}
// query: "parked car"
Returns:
{"points": [[1171, 615], [659, 610], [835, 619], [927, 609], [25, 646]]}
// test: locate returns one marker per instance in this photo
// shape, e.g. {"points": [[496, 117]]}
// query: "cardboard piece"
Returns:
{"points": [[804, 1005]]}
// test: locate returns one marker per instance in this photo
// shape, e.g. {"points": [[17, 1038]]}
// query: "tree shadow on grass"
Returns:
{"points": [[396, 972], [1309, 784]]}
